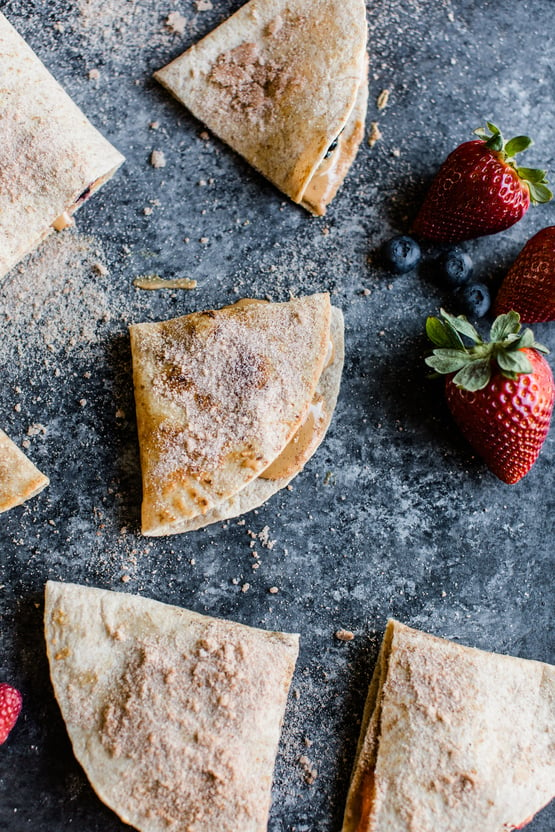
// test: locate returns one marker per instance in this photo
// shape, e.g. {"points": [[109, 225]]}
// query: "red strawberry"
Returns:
{"points": [[500, 393], [479, 190], [529, 287], [10, 706]]}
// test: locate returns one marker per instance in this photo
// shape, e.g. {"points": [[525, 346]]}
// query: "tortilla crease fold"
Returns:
{"points": [[453, 739], [19, 479], [285, 84], [174, 716], [51, 156], [231, 404]]}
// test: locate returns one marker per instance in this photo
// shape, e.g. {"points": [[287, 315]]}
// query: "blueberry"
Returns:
{"points": [[455, 267], [474, 299], [401, 254]]}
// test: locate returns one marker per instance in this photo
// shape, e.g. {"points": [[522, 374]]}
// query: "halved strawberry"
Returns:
{"points": [[480, 190], [529, 286], [500, 393]]}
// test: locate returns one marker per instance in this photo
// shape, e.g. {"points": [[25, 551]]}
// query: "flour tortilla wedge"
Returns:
{"points": [[219, 395], [174, 716], [259, 490], [280, 82], [453, 739], [51, 157], [19, 479]]}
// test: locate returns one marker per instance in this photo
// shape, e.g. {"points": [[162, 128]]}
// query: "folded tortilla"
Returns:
{"points": [[453, 739], [284, 83], [19, 479], [174, 716], [230, 405], [51, 157]]}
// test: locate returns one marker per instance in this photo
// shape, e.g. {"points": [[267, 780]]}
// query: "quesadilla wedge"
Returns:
{"points": [[285, 84], [230, 405], [19, 479], [51, 157], [453, 739], [174, 716]]}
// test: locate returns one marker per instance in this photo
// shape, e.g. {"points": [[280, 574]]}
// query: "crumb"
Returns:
{"points": [[307, 742], [245, 587], [120, 414], [154, 125], [147, 211], [59, 26], [176, 23], [382, 100], [366, 292], [17, 408], [202, 183], [273, 590], [87, 374], [94, 74], [344, 635], [310, 774], [396, 152], [325, 231], [35, 429], [125, 579], [204, 240], [204, 135], [100, 269], [374, 135], [158, 159], [82, 402], [204, 5], [26, 443]]}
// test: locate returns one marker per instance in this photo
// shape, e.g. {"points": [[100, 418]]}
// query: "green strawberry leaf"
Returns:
{"points": [[438, 333], [504, 326], [493, 128], [461, 325], [474, 376], [514, 362], [517, 145], [526, 340], [541, 348], [448, 361], [539, 192], [533, 175], [442, 334]]}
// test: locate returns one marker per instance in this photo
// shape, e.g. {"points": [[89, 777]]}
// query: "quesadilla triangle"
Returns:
{"points": [[285, 84], [174, 716], [230, 405], [19, 479], [453, 739], [51, 157]]}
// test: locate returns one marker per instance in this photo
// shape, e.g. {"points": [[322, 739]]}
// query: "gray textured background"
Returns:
{"points": [[393, 516]]}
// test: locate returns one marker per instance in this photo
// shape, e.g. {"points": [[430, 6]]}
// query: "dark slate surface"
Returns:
{"points": [[393, 516]]}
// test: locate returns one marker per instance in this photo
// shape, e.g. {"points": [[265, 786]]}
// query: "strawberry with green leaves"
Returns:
{"points": [[500, 393], [529, 286], [480, 189]]}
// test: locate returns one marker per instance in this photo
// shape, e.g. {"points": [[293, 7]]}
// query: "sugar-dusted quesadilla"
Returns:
{"points": [[284, 83], [453, 739], [231, 404], [174, 716], [51, 157], [19, 479]]}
